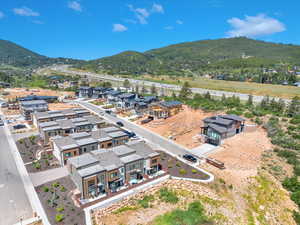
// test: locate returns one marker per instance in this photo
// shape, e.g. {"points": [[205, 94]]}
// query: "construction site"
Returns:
{"points": [[184, 128], [13, 93]]}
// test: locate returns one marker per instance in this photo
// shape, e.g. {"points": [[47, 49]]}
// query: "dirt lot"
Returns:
{"points": [[241, 155], [22, 92], [183, 127], [60, 106]]}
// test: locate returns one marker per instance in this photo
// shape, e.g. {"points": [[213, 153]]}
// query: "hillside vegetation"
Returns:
{"points": [[15, 55], [197, 56]]}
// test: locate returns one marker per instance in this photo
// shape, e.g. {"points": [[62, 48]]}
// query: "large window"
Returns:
{"points": [[113, 175]]}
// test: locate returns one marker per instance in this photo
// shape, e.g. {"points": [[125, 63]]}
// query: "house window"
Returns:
{"points": [[113, 175], [154, 161], [84, 149], [68, 154]]}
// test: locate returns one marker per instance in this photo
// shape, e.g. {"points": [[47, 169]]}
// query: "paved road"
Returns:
{"points": [[172, 87], [14, 203], [169, 145]]}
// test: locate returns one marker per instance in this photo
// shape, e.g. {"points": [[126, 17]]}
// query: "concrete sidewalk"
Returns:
{"points": [[48, 175]]}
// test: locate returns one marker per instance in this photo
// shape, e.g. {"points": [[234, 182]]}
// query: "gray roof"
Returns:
{"points": [[218, 120], [122, 150], [117, 134], [233, 117], [108, 159], [170, 103], [100, 135], [130, 158], [217, 128], [142, 149], [91, 170], [82, 160], [110, 129], [80, 135], [60, 113], [33, 102], [65, 143], [86, 141]]}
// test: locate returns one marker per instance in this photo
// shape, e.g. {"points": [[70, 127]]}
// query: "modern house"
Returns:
{"points": [[164, 109], [112, 96], [101, 172], [85, 92], [64, 127], [27, 108], [65, 147], [98, 92], [217, 128], [41, 117]]}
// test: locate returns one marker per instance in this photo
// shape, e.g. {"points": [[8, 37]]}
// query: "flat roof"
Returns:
{"points": [[130, 158], [91, 170]]}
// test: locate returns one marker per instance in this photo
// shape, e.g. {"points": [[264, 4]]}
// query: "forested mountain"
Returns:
{"points": [[195, 56], [15, 55]]}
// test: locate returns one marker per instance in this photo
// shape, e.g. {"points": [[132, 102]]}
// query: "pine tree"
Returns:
{"points": [[185, 91], [207, 95], [294, 107], [137, 89], [126, 84], [223, 98], [153, 89], [250, 100]]}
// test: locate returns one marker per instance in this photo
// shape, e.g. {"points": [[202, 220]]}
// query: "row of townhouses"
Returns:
{"points": [[101, 172], [47, 116], [64, 127], [76, 144]]}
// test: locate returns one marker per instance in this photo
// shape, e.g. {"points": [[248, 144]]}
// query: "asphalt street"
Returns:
{"points": [[142, 132], [14, 203]]}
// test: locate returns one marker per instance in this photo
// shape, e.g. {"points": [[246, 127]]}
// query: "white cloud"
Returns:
{"points": [[75, 6], [25, 11], [253, 26], [142, 14], [156, 8], [1, 15], [119, 27], [169, 28], [180, 22]]}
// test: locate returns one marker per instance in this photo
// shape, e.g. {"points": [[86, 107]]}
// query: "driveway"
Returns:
{"points": [[48, 175], [14, 203]]}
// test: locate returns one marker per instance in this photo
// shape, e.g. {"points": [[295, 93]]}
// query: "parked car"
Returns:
{"points": [[120, 124], [130, 134], [189, 158], [1, 123], [19, 126]]}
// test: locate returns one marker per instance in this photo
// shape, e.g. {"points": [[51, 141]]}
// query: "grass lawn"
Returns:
{"points": [[232, 86]]}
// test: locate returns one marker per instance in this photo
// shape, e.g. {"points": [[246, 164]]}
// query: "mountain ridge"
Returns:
{"points": [[197, 55]]}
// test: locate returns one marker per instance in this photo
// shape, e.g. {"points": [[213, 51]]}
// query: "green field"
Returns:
{"points": [[281, 91]]}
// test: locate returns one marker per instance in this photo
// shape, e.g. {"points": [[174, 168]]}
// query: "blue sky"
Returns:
{"points": [[89, 29]]}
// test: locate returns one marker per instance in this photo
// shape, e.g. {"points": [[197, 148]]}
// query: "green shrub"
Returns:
{"points": [[194, 215], [145, 201], [45, 189], [59, 217], [194, 171], [182, 172], [178, 164], [296, 216], [248, 115], [60, 209], [36, 165], [55, 185], [168, 196], [62, 188]]}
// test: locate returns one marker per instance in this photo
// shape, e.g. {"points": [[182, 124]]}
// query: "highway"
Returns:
{"points": [[14, 203], [172, 87]]}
